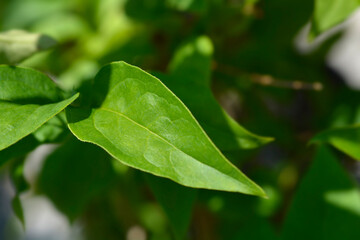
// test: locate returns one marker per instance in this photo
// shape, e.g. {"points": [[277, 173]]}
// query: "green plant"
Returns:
{"points": [[168, 122]]}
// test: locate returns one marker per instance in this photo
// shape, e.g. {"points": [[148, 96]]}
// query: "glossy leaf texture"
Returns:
{"points": [[326, 204], [28, 99], [329, 13], [140, 122], [345, 139], [17, 45], [190, 72], [74, 174]]}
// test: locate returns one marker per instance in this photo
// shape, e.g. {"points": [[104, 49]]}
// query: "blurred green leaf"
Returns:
{"points": [[188, 5], [20, 185], [144, 125], [328, 13], [74, 174], [28, 99], [17, 45], [19, 149], [177, 202], [345, 139], [190, 80], [22, 14], [326, 204], [18, 209], [63, 27]]}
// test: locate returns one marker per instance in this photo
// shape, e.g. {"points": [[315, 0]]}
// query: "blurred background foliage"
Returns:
{"points": [[243, 53]]}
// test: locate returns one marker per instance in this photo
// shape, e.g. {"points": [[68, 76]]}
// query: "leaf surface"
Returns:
{"points": [[28, 99], [144, 125]]}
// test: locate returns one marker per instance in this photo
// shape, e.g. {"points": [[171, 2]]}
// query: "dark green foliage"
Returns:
{"points": [[326, 204], [181, 90]]}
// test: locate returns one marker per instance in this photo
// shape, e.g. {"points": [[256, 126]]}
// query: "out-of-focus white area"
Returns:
{"points": [[136, 233], [304, 46], [42, 220], [34, 162], [344, 56]]}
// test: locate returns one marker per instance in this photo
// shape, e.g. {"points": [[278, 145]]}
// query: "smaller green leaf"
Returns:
{"points": [[190, 80], [53, 131], [18, 209], [345, 139], [177, 202], [28, 99], [328, 13], [17, 45], [20, 185]]}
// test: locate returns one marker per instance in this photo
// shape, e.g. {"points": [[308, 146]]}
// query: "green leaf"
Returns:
{"points": [[18, 209], [328, 13], [190, 80], [177, 202], [144, 125], [326, 204], [28, 99], [17, 45], [74, 174], [345, 139]]}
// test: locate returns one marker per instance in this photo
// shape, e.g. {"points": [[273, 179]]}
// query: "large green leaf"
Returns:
{"points": [[345, 139], [17, 45], [190, 80], [326, 205], [28, 99], [144, 125], [328, 13]]}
